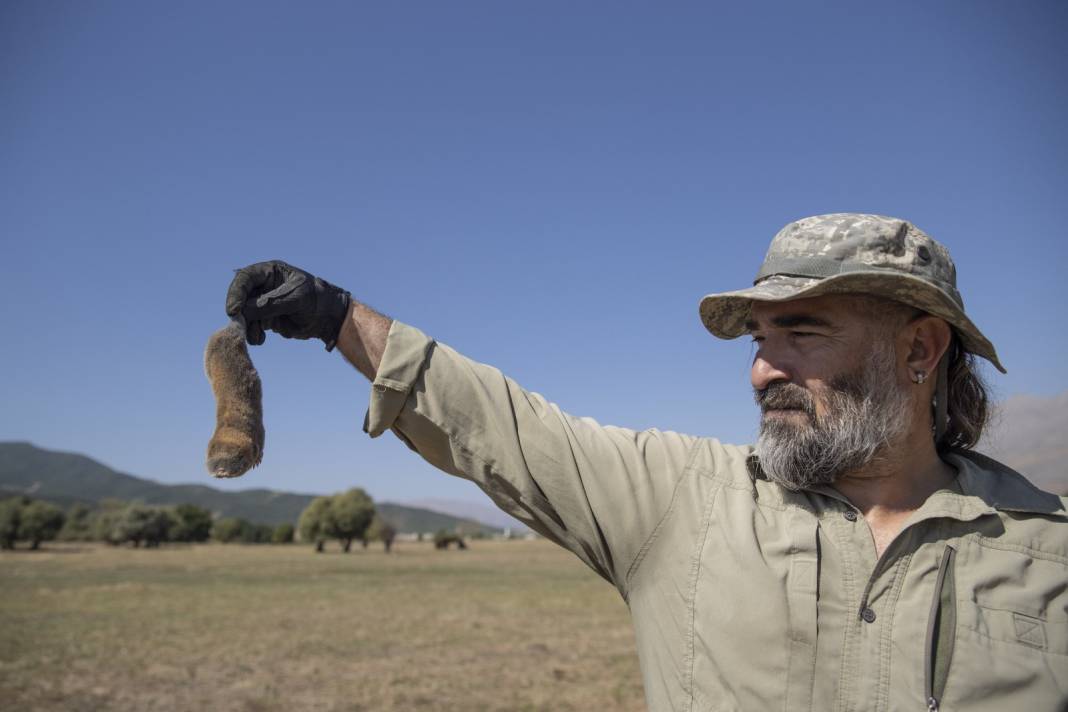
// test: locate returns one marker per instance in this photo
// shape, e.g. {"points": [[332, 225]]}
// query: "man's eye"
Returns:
{"points": [[803, 333]]}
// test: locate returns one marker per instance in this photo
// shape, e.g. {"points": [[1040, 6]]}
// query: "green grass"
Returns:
{"points": [[503, 626]]}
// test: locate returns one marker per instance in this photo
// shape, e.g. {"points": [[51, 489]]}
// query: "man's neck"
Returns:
{"points": [[890, 489], [898, 482]]}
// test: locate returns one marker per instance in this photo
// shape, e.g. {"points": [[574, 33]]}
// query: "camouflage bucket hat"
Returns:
{"points": [[851, 253]]}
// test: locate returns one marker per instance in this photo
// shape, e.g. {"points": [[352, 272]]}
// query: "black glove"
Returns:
{"points": [[287, 300]]}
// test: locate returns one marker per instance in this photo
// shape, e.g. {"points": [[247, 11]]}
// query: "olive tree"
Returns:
{"points": [[231, 529], [313, 524], [260, 534], [78, 524], [191, 523], [443, 538], [383, 531], [139, 523], [282, 534], [349, 515], [10, 516], [39, 521]]}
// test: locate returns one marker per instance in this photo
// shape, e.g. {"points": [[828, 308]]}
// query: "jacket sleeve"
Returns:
{"points": [[599, 491]]}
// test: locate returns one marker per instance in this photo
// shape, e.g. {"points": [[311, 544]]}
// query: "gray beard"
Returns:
{"points": [[866, 411]]}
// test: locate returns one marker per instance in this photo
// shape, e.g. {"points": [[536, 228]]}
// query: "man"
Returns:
{"points": [[859, 557]]}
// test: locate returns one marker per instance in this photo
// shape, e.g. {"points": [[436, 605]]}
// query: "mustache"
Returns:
{"points": [[784, 396]]}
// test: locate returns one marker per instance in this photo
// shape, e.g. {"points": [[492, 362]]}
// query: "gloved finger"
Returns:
{"points": [[246, 283], [290, 328], [282, 326], [289, 298], [254, 333]]}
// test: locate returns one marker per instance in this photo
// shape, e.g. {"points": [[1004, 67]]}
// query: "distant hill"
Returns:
{"points": [[67, 478], [1030, 434], [483, 511]]}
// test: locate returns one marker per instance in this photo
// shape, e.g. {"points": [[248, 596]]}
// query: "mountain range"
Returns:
{"points": [[68, 478], [1030, 434]]}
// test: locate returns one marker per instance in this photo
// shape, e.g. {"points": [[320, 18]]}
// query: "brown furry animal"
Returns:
{"points": [[237, 444]]}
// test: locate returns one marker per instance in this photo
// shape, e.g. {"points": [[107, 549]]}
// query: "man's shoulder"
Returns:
{"points": [[731, 464], [737, 467], [1030, 517], [1002, 487]]}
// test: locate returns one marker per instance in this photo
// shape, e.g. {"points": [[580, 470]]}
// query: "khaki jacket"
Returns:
{"points": [[744, 595]]}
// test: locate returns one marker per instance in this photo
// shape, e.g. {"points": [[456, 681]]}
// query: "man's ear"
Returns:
{"points": [[928, 338]]}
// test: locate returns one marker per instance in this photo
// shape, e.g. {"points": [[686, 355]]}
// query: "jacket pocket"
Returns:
{"points": [[1011, 643]]}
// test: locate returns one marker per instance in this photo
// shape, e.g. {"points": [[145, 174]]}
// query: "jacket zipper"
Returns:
{"points": [[941, 625]]}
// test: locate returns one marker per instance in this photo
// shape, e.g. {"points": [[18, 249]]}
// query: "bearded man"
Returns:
{"points": [[860, 556]]}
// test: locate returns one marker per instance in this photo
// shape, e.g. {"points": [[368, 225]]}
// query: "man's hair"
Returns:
{"points": [[968, 402]]}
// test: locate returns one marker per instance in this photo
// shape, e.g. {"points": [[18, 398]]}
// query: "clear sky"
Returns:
{"points": [[549, 187]]}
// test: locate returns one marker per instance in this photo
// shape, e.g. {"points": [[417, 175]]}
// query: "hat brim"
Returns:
{"points": [[725, 314]]}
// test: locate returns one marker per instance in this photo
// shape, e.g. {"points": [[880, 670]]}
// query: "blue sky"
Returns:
{"points": [[548, 187]]}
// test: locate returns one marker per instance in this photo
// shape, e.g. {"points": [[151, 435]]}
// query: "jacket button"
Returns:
{"points": [[850, 515], [868, 615]]}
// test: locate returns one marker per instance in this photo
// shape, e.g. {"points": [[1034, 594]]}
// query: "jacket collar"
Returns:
{"points": [[995, 486]]}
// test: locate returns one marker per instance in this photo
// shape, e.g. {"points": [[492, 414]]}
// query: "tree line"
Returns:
{"points": [[347, 517], [23, 519]]}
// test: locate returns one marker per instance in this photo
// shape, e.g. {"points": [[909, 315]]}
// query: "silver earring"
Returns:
{"points": [[919, 376]]}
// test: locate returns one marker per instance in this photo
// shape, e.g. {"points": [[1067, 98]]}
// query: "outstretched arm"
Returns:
{"points": [[597, 490], [600, 491], [362, 339]]}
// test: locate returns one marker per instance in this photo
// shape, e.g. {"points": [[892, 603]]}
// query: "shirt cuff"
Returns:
{"points": [[402, 362]]}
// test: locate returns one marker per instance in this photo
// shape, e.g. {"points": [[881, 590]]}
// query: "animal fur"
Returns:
{"points": [[237, 444]]}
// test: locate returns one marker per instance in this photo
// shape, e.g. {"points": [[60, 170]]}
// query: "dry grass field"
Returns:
{"points": [[516, 625]]}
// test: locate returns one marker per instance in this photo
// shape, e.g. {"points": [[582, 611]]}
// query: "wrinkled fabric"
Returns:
{"points": [[744, 595]]}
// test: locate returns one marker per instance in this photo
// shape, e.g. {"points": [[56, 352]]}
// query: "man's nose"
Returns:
{"points": [[766, 371]]}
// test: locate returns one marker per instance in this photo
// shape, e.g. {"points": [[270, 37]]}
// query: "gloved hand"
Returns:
{"points": [[287, 300]]}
